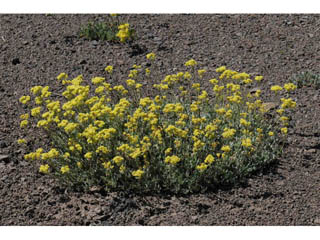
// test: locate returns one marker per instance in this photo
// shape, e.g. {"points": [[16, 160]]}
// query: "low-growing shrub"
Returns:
{"points": [[112, 30], [308, 79], [180, 138]]}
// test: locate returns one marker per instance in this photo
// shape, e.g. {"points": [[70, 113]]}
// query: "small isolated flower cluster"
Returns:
{"points": [[123, 33], [182, 138]]}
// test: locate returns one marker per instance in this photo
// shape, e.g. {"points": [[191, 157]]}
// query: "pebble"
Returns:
{"points": [[94, 43], [3, 144], [4, 157], [15, 61]]}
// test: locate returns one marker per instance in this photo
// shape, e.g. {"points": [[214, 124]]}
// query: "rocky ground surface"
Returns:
{"points": [[36, 48]]}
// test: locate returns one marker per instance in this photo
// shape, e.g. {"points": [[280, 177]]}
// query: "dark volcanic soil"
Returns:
{"points": [[36, 48]]}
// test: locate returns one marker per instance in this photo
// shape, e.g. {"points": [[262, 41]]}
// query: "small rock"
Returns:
{"points": [[83, 62], [2, 165], [308, 153], [157, 39], [253, 90], [25, 42], [194, 218], [316, 221], [4, 158], [94, 43], [3, 144], [94, 189], [16, 61], [310, 35], [269, 106]]}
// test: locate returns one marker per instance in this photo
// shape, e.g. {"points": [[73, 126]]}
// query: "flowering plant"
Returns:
{"points": [[112, 30], [179, 138]]}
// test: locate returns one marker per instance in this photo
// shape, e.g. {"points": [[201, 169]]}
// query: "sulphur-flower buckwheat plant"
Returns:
{"points": [[112, 30], [123, 139]]}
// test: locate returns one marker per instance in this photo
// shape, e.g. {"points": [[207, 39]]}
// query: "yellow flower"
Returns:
{"points": [[70, 127], [168, 151], [65, 169], [36, 90], [151, 56], [191, 63], [107, 165], [138, 86], [78, 147], [194, 107], [35, 111], [53, 153], [221, 69], [218, 88], [44, 168], [203, 96], [246, 142], [226, 148], [24, 99], [109, 69], [21, 141], [99, 123], [23, 123], [220, 111], [280, 111], [276, 88], [213, 81], [131, 82], [123, 33], [62, 76], [289, 87], [247, 81], [113, 14], [196, 86], [284, 130], [270, 133], [172, 159], [244, 122], [79, 164], [66, 155], [284, 119], [118, 160], [88, 155], [137, 174], [177, 143], [258, 78], [187, 75], [99, 89], [209, 159], [288, 103], [122, 169], [202, 167], [97, 80], [228, 132], [201, 72], [102, 149], [259, 130], [24, 116]]}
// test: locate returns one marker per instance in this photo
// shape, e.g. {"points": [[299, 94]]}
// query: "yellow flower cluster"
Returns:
{"points": [[44, 168], [123, 33], [172, 159], [132, 136]]}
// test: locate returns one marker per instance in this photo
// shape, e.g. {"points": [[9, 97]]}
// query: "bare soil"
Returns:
{"points": [[36, 48]]}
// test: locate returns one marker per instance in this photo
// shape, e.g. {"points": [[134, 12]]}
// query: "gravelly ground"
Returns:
{"points": [[36, 48]]}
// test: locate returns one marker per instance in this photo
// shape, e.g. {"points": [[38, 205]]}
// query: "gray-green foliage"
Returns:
{"points": [[307, 79]]}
